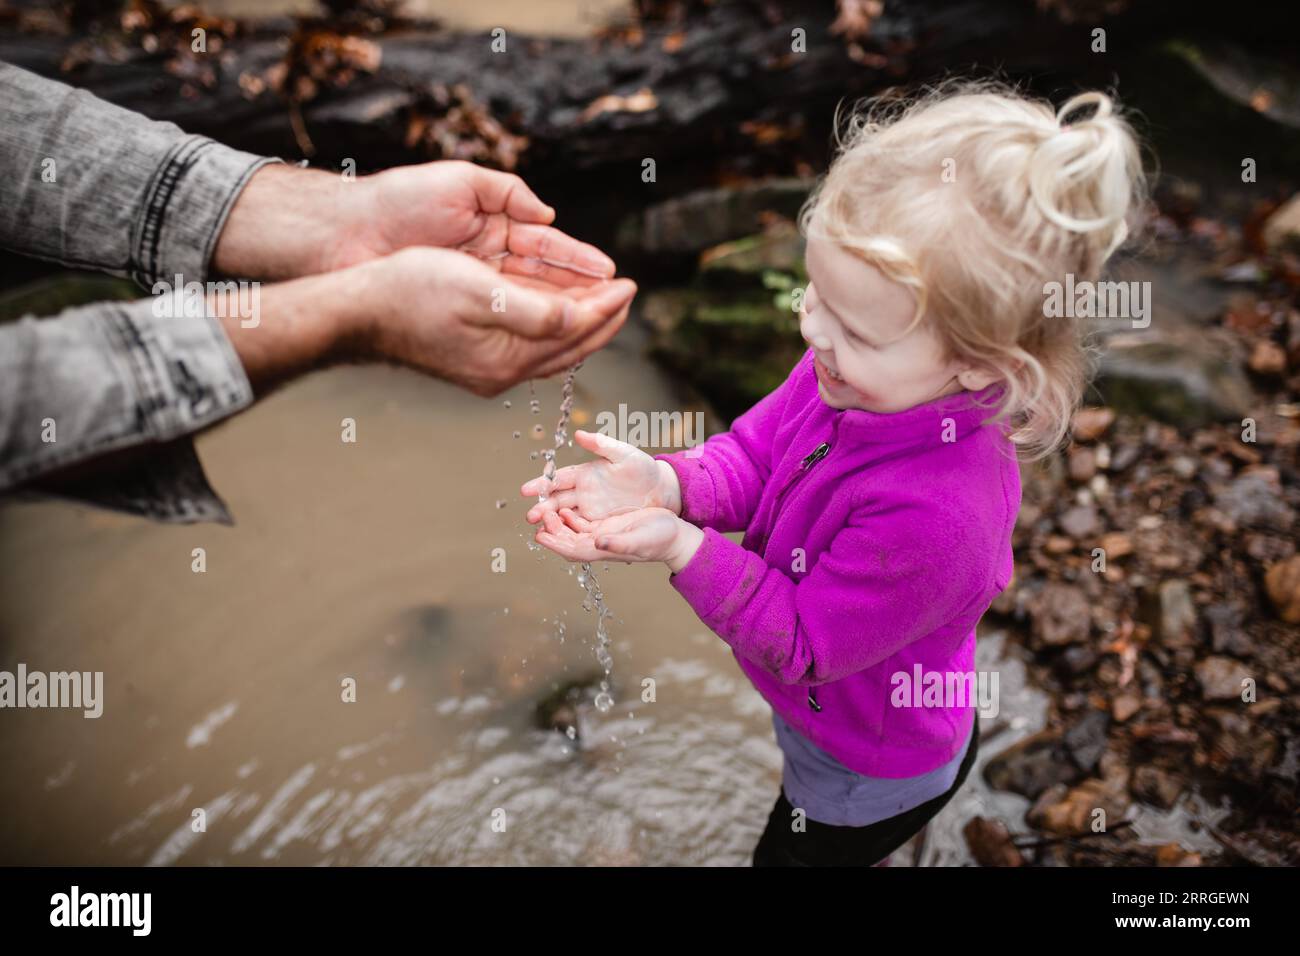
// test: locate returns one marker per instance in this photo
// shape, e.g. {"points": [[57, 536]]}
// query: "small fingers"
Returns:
{"points": [[566, 477], [576, 521]]}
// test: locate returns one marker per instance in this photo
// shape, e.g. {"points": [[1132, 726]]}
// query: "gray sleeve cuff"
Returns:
{"points": [[109, 378], [186, 205]]}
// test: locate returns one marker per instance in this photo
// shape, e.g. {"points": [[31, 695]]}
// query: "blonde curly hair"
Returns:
{"points": [[974, 197]]}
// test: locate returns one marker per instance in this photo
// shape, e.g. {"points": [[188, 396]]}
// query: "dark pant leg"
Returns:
{"points": [[824, 845]]}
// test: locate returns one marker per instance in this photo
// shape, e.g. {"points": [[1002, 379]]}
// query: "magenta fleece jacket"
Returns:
{"points": [[873, 544]]}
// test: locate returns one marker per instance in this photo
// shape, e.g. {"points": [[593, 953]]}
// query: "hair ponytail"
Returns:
{"points": [[1081, 175]]}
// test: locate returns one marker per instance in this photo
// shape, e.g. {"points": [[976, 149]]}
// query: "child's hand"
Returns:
{"points": [[648, 534], [623, 479]]}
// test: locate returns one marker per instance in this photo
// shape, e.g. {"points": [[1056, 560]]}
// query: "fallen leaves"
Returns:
{"points": [[642, 101]]}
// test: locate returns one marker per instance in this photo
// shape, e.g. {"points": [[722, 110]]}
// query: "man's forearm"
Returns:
{"points": [[283, 224], [302, 324]]}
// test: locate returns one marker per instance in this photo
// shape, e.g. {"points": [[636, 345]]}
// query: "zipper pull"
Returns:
{"points": [[812, 701], [817, 455]]}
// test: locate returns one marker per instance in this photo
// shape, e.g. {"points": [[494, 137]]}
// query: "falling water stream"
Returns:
{"points": [[595, 599]]}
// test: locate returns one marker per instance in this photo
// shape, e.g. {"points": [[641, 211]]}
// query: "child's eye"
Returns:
{"points": [[857, 338]]}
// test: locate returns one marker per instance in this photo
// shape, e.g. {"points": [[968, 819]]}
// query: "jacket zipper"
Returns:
{"points": [[816, 455]]}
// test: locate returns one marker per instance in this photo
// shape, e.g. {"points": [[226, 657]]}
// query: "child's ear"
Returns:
{"points": [[976, 378]]}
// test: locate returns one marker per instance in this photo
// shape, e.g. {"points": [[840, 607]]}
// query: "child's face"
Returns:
{"points": [[853, 317]]}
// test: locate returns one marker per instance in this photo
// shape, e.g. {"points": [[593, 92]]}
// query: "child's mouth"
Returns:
{"points": [[826, 374]]}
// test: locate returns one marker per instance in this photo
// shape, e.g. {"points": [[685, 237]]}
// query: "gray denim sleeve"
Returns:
{"points": [[87, 184], [91, 185], [107, 377]]}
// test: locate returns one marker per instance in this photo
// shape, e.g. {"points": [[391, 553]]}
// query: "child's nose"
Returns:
{"points": [[811, 331]]}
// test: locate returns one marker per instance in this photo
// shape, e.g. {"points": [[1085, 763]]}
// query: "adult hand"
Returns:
{"points": [[290, 222], [442, 312]]}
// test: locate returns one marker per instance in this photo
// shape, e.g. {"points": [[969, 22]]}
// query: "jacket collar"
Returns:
{"points": [[942, 421]]}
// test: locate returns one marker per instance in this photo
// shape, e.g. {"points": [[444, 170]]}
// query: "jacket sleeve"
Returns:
{"points": [[722, 479], [90, 185], [872, 592], [105, 378]]}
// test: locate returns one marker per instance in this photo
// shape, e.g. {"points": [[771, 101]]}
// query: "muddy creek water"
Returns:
{"points": [[374, 561]]}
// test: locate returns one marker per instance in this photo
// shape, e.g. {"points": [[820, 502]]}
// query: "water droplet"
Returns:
{"points": [[501, 503], [604, 702], [506, 403], [571, 732], [517, 433], [538, 432]]}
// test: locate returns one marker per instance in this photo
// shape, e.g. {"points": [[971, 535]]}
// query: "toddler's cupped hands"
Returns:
{"points": [[623, 478], [646, 534]]}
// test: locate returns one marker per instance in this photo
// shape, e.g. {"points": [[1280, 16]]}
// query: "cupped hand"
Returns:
{"points": [[647, 534], [449, 314], [623, 478], [453, 204]]}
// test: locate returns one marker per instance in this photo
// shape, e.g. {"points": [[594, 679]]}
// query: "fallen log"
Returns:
{"points": [[736, 80]]}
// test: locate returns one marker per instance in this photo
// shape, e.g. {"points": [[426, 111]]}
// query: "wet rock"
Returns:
{"points": [[1221, 677], [1185, 383], [1226, 634], [781, 251], [1090, 423], [1183, 466], [707, 217], [1058, 544], [1282, 581], [1176, 624], [563, 709], [1030, 766], [1060, 614], [1125, 705], [1079, 659], [1074, 811], [1116, 544], [1267, 358], [1254, 500], [1083, 464], [1156, 787], [990, 843], [1085, 741], [1240, 744], [1079, 522], [1124, 456]]}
